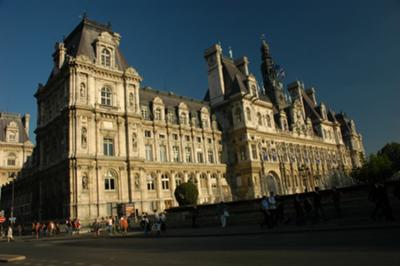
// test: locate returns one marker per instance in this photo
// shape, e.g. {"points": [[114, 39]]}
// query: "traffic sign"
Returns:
{"points": [[2, 220]]}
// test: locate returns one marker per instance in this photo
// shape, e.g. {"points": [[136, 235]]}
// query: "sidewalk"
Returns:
{"points": [[235, 230]]}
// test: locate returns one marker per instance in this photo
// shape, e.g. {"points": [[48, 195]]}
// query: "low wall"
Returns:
{"points": [[354, 205]]}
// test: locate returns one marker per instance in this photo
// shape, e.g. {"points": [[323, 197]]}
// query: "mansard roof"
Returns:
{"points": [[5, 120], [81, 42], [170, 100]]}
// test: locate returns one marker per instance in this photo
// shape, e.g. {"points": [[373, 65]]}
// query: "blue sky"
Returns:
{"points": [[348, 50]]}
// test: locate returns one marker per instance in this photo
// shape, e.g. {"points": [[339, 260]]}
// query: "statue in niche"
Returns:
{"points": [[131, 100], [85, 182], [134, 142], [82, 92], [84, 138]]}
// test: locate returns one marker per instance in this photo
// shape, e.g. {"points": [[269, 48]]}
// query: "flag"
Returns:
{"points": [[280, 72]]}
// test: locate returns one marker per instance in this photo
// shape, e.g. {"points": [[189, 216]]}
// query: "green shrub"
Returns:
{"points": [[186, 194]]}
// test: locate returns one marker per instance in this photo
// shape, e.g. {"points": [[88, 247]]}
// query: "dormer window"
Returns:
{"points": [[106, 57], [106, 96]]}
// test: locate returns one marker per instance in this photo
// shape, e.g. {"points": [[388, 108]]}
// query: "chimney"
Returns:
{"points": [[311, 94], [216, 85], [25, 121], [294, 89], [59, 55], [243, 65]]}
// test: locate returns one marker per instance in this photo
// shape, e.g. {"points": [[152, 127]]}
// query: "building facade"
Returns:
{"points": [[103, 140], [274, 141], [15, 146]]}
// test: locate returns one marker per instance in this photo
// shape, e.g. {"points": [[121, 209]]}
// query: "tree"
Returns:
{"points": [[377, 168], [186, 194], [392, 151]]}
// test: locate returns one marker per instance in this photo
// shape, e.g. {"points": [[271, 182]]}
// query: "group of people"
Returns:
{"points": [[44, 229], [156, 223], [111, 225]]}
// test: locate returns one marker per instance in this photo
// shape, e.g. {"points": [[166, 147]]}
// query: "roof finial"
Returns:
{"points": [[83, 16], [230, 52], [263, 37]]}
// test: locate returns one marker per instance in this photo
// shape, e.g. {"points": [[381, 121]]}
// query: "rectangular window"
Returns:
{"points": [[209, 141], [198, 139], [200, 158], [175, 153], [187, 137], [162, 136], [210, 156], [147, 133], [108, 146], [175, 136], [254, 151], [11, 162], [149, 152], [163, 153], [188, 154], [242, 153], [109, 184]]}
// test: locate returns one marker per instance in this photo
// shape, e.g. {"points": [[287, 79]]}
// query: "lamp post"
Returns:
{"points": [[12, 194]]}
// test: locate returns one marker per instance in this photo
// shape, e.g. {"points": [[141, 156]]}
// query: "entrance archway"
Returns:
{"points": [[273, 183]]}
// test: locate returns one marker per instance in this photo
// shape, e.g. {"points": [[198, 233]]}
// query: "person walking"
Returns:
{"points": [[110, 225], [146, 224], [222, 213], [10, 234], [299, 210], [37, 229], [96, 227], [272, 208], [195, 214], [336, 201], [163, 220], [266, 212], [318, 210]]}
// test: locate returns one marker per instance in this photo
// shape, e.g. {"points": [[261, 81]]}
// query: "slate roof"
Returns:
{"points": [[234, 81], [5, 120], [81, 41], [171, 101]]}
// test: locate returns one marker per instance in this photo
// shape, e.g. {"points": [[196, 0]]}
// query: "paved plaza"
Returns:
{"points": [[351, 247]]}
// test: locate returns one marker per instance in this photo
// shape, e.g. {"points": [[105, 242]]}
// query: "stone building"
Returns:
{"points": [[276, 142], [103, 140], [15, 146]]}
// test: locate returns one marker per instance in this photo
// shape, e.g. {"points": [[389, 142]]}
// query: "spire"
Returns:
{"points": [[230, 52], [264, 45]]}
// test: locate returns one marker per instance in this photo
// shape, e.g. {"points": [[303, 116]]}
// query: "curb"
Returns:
{"points": [[9, 258]]}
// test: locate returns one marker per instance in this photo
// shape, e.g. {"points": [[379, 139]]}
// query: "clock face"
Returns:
{"points": [[211, 61]]}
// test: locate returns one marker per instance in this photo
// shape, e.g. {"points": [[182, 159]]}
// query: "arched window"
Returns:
{"points": [[110, 180], [157, 114], [238, 115], [203, 181], [183, 118], [178, 179], [12, 159], [248, 113], [106, 57], [268, 120], [106, 96], [192, 178], [151, 185], [259, 119], [164, 182]]}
